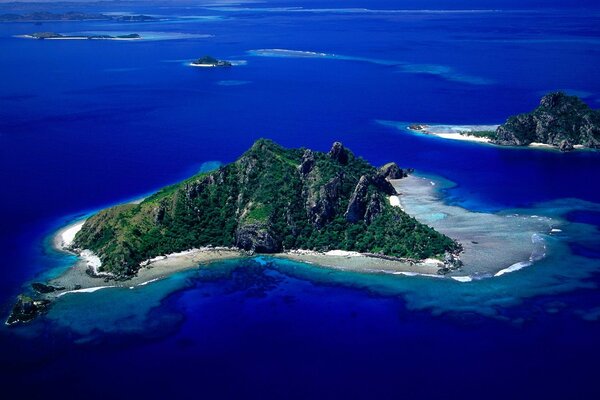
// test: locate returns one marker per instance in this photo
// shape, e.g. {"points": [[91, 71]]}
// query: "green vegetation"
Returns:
{"points": [[481, 134], [272, 199], [208, 60]]}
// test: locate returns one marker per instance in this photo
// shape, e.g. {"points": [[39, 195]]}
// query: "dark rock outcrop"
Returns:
{"points": [[357, 205], [257, 238], [326, 206], [392, 171], [560, 120], [361, 201], [339, 153], [26, 309], [374, 208], [42, 288], [308, 162]]}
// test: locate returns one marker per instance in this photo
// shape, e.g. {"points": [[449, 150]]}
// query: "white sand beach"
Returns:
{"points": [[455, 132]]}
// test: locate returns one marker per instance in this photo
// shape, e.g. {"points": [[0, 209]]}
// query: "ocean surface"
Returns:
{"points": [[86, 124]]}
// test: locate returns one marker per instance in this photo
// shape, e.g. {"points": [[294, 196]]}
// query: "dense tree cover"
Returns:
{"points": [[265, 189]]}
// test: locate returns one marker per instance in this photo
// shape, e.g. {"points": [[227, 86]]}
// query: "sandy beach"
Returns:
{"points": [[494, 244], [455, 132], [77, 279], [352, 261]]}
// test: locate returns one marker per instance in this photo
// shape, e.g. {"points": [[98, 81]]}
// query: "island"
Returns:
{"points": [[59, 36], [74, 16], [560, 121], [292, 203], [208, 61]]}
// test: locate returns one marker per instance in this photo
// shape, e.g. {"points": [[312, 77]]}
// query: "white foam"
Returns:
{"points": [[93, 262], [555, 230], [147, 282], [513, 268], [343, 253], [394, 201], [86, 290], [406, 273], [462, 278]]}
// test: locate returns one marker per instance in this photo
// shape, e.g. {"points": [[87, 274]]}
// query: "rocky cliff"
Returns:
{"points": [[560, 120], [271, 199]]}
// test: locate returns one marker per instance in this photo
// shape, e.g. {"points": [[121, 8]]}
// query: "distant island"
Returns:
{"points": [[294, 203], [73, 16], [560, 121], [54, 35], [208, 61]]}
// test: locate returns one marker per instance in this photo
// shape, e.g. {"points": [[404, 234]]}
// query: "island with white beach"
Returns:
{"points": [[332, 210], [560, 122], [60, 36], [209, 61]]}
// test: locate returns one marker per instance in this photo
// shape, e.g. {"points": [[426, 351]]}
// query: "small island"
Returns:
{"points": [[332, 208], [560, 121], [208, 61], [59, 36]]}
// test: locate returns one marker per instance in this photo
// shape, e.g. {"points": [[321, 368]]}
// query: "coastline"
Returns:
{"points": [[484, 252], [77, 38], [352, 261], [461, 133], [77, 279], [453, 132], [493, 243], [484, 237]]}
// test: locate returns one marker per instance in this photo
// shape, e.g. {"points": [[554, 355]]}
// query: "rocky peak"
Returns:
{"points": [[391, 171], [339, 153], [308, 162], [553, 100], [560, 120]]}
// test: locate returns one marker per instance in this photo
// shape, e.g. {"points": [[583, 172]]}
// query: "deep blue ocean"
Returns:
{"points": [[86, 124]]}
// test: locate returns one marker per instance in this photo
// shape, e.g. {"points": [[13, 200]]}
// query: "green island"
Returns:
{"points": [[54, 35], [272, 200], [209, 61], [560, 120]]}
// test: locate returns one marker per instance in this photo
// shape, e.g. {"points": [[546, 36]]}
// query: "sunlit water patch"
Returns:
{"points": [[442, 71], [232, 83]]}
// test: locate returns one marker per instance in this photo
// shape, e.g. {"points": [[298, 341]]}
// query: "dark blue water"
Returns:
{"points": [[85, 124]]}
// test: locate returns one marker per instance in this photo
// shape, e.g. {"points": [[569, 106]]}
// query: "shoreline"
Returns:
{"points": [[453, 132], [77, 38], [458, 225], [493, 245], [78, 280], [461, 133]]}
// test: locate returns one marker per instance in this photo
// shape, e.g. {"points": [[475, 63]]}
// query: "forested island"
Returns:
{"points": [[73, 16], [272, 200], [560, 121], [209, 61]]}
